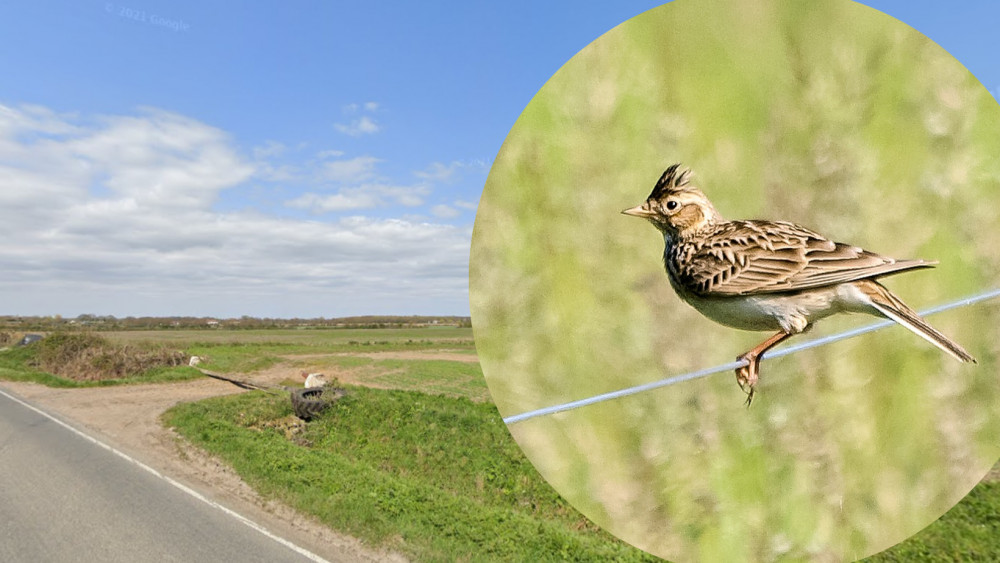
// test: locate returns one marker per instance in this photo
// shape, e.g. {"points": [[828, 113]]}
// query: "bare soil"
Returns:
{"points": [[292, 365], [288, 372], [128, 418]]}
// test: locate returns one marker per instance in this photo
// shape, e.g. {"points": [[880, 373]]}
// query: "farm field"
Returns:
{"points": [[415, 460]]}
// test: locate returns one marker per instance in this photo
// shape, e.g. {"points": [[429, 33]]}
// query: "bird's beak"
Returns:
{"points": [[638, 211]]}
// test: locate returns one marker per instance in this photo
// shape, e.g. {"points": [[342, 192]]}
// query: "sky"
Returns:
{"points": [[298, 159]]}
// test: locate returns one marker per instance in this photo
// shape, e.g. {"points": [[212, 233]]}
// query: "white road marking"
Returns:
{"points": [[239, 517]]}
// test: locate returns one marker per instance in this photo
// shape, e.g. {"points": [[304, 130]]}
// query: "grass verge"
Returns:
{"points": [[439, 479], [968, 532], [436, 478]]}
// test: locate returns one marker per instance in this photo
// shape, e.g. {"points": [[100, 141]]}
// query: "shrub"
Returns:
{"points": [[84, 356], [8, 338]]}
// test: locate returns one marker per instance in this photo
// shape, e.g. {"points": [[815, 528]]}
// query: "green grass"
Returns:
{"points": [[240, 358], [14, 366], [968, 532], [337, 340], [244, 351], [441, 377], [436, 478], [437, 377]]}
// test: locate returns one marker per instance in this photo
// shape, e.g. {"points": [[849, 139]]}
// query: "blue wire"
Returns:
{"points": [[733, 365]]}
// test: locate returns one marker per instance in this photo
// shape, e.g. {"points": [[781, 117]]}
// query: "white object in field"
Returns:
{"points": [[314, 379], [195, 360]]}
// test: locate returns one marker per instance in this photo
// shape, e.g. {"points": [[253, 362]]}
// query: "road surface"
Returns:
{"points": [[65, 497]]}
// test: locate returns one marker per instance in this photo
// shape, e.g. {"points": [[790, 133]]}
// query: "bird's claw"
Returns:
{"points": [[746, 378]]}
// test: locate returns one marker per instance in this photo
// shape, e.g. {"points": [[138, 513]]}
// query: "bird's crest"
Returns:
{"points": [[673, 180]]}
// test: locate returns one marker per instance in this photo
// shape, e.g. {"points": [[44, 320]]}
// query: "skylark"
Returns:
{"points": [[770, 275]]}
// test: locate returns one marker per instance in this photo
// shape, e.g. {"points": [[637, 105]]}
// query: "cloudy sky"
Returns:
{"points": [[283, 159]]}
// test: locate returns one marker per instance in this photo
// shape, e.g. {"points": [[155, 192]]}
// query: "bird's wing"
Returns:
{"points": [[748, 257]]}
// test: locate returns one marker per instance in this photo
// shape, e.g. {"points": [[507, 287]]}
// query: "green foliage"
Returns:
{"points": [[86, 359], [969, 532], [86, 356], [826, 113], [436, 478], [16, 364]]}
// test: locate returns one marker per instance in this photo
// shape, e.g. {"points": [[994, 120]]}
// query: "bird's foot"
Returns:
{"points": [[746, 376]]}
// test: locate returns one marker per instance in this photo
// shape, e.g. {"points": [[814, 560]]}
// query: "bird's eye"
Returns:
{"points": [[672, 204]]}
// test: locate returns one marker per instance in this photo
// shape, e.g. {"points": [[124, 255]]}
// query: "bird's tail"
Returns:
{"points": [[894, 308]]}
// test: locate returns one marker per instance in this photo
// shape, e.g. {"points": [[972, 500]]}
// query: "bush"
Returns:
{"points": [[8, 338], [84, 356]]}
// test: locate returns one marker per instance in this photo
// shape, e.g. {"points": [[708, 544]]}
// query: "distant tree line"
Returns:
{"points": [[109, 322]]}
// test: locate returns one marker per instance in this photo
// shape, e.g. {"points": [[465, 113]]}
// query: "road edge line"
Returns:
{"points": [[184, 488]]}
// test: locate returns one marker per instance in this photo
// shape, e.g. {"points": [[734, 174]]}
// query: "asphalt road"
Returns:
{"points": [[65, 498]]}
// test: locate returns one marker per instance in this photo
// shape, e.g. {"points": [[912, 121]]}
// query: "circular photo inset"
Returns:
{"points": [[803, 132]]}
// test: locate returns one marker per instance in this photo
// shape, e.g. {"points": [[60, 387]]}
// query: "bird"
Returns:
{"points": [[770, 275]]}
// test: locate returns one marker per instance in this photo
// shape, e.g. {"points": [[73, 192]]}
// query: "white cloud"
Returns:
{"points": [[365, 196], [354, 107], [270, 162], [268, 150], [331, 153], [33, 120], [445, 211], [349, 171], [160, 158], [364, 125], [318, 203], [471, 205], [280, 173], [116, 215], [439, 172]]}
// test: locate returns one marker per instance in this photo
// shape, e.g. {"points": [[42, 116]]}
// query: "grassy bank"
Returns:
{"points": [[440, 479], [436, 478], [968, 532]]}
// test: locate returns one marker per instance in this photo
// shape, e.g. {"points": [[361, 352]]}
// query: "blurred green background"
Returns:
{"points": [[825, 113]]}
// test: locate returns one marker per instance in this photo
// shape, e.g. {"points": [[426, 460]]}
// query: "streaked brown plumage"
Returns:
{"points": [[770, 275]]}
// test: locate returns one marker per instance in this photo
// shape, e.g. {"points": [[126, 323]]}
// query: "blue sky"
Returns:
{"points": [[283, 159]]}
